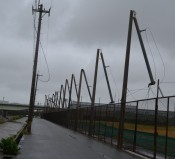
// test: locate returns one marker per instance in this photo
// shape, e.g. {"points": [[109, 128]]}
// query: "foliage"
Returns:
{"points": [[9, 146], [2, 121], [17, 117], [25, 132]]}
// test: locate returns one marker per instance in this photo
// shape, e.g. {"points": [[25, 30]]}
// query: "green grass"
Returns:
{"points": [[17, 117], [2, 121]]}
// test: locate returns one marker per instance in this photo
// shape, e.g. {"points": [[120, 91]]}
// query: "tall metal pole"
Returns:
{"points": [[82, 73], [32, 93], [64, 94], [125, 83], [93, 93], [155, 120], [78, 102], [70, 91], [87, 85], [167, 124], [79, 89], [107, 80], [144, 51]]}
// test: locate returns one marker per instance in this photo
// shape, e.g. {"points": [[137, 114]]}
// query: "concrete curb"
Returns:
{"points": [[20, 133]]}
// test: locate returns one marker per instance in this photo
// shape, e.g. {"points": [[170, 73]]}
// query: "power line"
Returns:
{"points": [[168, 82], [114, 82], [158, 52], [44, 54], [134, 91], [46, 65], [131, 94], [48, 27], [51, 3], [151, 53], [159, 100], [34, 26]]}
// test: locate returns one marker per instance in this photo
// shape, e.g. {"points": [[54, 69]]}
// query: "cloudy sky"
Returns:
{"points": [[70, 38]]}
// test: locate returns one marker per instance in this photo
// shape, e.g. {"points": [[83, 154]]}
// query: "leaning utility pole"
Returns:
{"points": [[33, 85]]}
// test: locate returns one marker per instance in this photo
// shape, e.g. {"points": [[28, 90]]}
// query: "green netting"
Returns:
{"points": [[143, 140]]}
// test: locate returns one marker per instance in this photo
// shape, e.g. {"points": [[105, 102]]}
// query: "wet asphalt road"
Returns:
{"points": [[51, 141]]}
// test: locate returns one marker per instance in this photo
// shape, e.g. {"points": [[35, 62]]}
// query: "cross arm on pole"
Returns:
{"points": [[40, 9]]}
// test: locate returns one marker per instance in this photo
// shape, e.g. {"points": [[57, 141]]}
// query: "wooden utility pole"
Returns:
{"points": [[33, 85]]}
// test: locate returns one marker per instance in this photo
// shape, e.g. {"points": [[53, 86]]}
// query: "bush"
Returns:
{"points": [[2, 121], [16, 117], [9, 146]]}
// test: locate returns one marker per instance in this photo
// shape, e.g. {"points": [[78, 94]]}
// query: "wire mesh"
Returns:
{"points": [[140, 133]]}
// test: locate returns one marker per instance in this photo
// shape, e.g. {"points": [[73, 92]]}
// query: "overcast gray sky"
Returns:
{"points": [[70, 38]]}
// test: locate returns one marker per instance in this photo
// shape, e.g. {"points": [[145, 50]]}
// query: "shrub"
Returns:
{"points": [[2, 121], [9, 146]]}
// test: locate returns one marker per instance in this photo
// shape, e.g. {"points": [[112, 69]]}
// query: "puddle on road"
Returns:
{"points": [[104, 156], [73, 137]]}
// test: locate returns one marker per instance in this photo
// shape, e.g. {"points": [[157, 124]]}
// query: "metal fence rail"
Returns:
{"points": [[143, 133]]}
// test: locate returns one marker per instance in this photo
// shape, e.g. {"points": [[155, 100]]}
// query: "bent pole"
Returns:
{"points": [[144, 51], [107, 80]]}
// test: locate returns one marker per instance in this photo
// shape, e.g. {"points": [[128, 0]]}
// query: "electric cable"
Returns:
{"points": [[131, 94], [134, 91], [51, 3], [48, 27], [151, 54], [44, 58], [46, 65], [168, 82], [146, 102], [34, 35], [158, 100], [114, 82], [158, 52], [139, 89]]}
